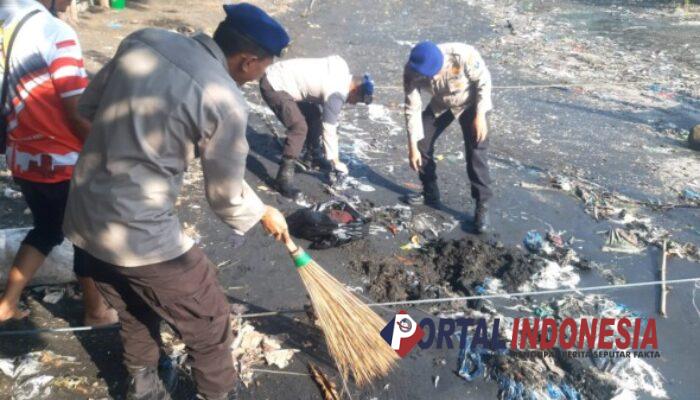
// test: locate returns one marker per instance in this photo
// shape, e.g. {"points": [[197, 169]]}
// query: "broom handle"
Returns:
{"points": [[291, 246]]}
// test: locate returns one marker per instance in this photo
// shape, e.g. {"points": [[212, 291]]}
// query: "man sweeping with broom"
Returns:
{"points": [[160, 102]]}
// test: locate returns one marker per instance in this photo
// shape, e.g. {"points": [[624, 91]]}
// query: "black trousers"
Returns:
{"points": [[47, 202], [302, 119], [186, 293], [475, 153]]}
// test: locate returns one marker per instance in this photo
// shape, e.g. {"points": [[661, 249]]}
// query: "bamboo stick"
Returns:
{"points": [[664, 291]]}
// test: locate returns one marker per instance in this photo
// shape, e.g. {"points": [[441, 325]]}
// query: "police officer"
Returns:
{"points": [[460, 84], [171, 98], [306, 95]]}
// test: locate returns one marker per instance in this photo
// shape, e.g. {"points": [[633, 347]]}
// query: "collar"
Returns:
{"points": [[210, 45]]}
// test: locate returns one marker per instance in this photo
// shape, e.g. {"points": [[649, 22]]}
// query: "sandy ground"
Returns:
{"points": [[623, 138]]}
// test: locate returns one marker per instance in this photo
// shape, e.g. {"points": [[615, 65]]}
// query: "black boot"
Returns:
{"points": [[482, 221], [232, 395], [285, 179], [146, 385], [315, 159], [430, 196]]}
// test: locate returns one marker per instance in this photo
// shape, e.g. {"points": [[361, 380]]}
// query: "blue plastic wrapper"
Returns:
{"points": [[533, 241]]}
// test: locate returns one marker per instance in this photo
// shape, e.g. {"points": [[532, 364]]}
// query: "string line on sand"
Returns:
{"points": [[534, 293], [406, 302], [551, 85]]}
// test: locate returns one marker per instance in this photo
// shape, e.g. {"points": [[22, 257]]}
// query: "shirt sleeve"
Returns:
{"points": [[90, 100], [331, 114], [413, 107], [223, 151], [479, 76], [65, 60]]}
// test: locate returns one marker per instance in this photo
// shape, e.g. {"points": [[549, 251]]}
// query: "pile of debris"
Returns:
{"points": [[470, 266]]}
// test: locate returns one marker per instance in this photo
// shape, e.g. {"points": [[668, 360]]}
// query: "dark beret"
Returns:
{"points": [[258, 26]]}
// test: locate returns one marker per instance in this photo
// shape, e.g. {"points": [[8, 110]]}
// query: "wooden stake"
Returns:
{"points": [[664, 291]]}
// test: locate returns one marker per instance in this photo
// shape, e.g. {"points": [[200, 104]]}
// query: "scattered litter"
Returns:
{"points": [[192, 231], [552, 276], [415, 243], [77, 384], [562, 182], [436, 379], [471, 366], [251, 348], [355, 289], [53, 295], [621, 241], [429, 226], [30, 373], [349, 182], [635, 374], [303, 201], [11, 193], [33, 388], [327, 387], [690, 194], [555, 239], [533, 241]]}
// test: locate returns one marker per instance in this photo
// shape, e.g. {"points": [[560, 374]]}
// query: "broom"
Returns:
{"points": [[350, 326]]}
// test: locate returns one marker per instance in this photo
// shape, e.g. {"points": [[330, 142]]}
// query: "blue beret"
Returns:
{"points": [[259, 27], [426, 58]]}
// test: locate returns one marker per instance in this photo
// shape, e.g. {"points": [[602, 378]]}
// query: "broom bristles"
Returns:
{"points": [[350, 326]]}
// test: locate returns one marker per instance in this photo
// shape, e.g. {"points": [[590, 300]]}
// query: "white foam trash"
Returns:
{"points": [[57, 269]]}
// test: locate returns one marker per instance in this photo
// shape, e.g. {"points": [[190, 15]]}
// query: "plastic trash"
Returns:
{"points": [[533, 241], [570, 392], [471, 366], [690, 194], [330, 224], [510, 389], [554, 392]]}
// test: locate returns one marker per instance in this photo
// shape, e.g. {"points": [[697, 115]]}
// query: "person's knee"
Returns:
{"points": [[298, 128], [44, 239]]}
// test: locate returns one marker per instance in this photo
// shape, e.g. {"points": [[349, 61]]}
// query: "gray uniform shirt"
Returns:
{"points": [[463, 81], [162, 100]]}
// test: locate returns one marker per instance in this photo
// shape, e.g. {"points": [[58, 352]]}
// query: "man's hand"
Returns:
{"points": [[480, 128], [80, 126], [414, 159], [274, 223]]}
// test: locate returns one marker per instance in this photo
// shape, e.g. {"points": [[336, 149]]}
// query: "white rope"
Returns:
{"points": [[551, 85], [274, 372], [695, 288], [406, 302], [533, 293]]}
